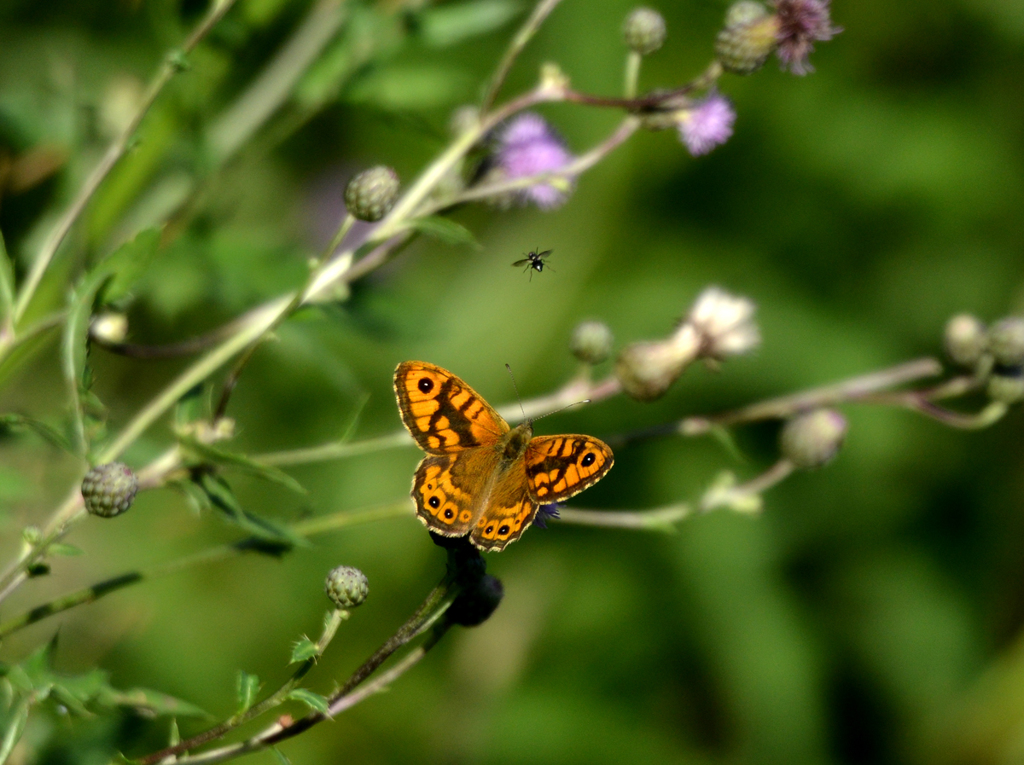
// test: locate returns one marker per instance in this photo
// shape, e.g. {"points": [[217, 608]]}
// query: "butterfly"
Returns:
{"points": [[535, 260], [481, 477]]}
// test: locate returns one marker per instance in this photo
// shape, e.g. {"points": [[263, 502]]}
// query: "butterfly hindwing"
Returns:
{"points": [[509, 512], [441, 412], [559, 467]]}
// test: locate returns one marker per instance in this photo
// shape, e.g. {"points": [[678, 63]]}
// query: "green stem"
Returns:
{"points": [[658, 519], [117, 149], [523, 36], [632, 74], [436, 603]]}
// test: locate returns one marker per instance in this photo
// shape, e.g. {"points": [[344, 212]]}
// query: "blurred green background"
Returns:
{"points": [[873, 613]]}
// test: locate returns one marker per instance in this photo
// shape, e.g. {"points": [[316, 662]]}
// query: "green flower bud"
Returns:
{"points": [[1006, 341], [749, 37], [812, 439], [1006, 385], [346, 586], [965, 339], [644, 30], [591, 342], [370, 195], [475, 604], [110, 489]]}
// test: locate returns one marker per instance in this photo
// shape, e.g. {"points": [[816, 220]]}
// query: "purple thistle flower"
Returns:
{"points": [[546, 513], [528, 146], [707, 124], [801, 23]]}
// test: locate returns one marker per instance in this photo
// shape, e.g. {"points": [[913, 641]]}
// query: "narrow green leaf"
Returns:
{"points": [[247, 686], [73, 347], [6, 290], [281, 759], [304, 649], [446, 230], [450, 24], [15, 727], [194, 405], [223, 499], [174, 735], [314, 701], [240, 462], [149, 703], [66, 550], [12, 422], [129, 262]]}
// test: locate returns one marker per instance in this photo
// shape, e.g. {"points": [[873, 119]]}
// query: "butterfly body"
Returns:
{"points": [[480, 477], [534, 260]]}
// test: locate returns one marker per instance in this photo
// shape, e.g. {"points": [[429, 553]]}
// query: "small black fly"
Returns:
{"points": [[534, 260]]}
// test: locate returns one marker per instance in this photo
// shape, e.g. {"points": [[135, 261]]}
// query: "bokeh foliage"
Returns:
{"points": [[872, 614]]}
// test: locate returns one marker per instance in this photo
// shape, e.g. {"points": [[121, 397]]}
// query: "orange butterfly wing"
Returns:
{"points": [[510, 511], [441, 412], [559, 467]]}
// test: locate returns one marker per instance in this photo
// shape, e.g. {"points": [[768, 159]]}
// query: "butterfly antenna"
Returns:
{"points": [[567, 406], [516, 388]]}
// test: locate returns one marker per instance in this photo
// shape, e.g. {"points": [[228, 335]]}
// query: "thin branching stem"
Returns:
{"points": [[172, 65], [540, 12]]}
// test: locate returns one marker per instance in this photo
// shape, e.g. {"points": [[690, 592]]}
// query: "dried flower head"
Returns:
{"points": [[813, 438], [528, 146], [706, 124], [109, 490], [801, 24], [724, 322]]}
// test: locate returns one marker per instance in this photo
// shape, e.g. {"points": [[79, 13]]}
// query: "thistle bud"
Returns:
{"points": [[475, 604], [1006, 341], [647, 370], [749, 37], [644, 30], [591, 342], [812, 439], [346, 586], [109, 490], [965, 339], [370, 195]]}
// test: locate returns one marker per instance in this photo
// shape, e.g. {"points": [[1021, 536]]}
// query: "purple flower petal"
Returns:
{"points": [[528, 146], [707, 124]]}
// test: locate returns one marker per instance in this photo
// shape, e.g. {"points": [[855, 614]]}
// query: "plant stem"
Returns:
{"points": [[117, 149], [523, 36], [657, 519], [430, 610], [854, 389], [632, 74]]}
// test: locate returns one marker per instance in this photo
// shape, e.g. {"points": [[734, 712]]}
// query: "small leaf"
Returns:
{"points": [[174, 735], [304, 649], [281, 759], [15, 727], [446, 230], [129, 262], [240, 462], [66, 550], [410, 87], [148, 703], [451, 24], [222, 498], [193, 406], [13, 422], [6, 288], [314, 701], [247, 686], [725, 437]]}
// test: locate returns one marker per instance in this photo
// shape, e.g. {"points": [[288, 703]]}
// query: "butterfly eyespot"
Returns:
{"points": [[489, 529], [425, 385], [449, 514], [504, 530], [588, 459], [434, 502]]}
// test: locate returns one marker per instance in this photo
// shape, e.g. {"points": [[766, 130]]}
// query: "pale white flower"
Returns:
{"points": [[724, 323]]}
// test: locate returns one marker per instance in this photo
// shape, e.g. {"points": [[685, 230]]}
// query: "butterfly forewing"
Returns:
{"points": [[441, 412], [559, 467]]}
